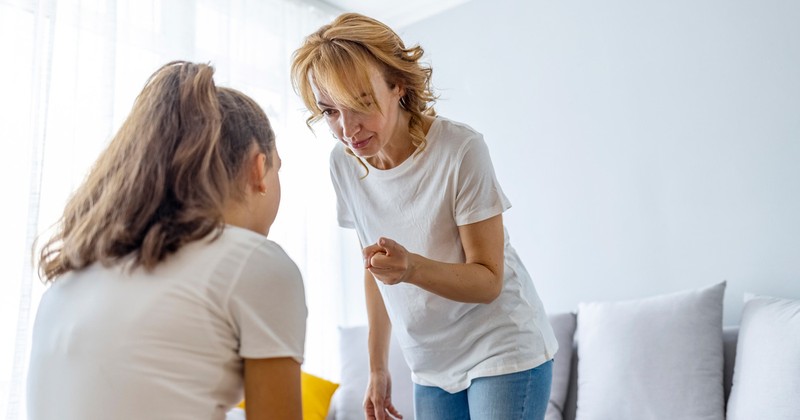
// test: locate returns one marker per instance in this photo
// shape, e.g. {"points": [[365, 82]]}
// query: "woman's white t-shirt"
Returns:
{"points": [[420, 204], [111, 343]]}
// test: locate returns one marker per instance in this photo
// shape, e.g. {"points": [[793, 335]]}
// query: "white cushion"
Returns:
{"points": [[348, 399], [653, 358], [235, 414], [766, 377]]}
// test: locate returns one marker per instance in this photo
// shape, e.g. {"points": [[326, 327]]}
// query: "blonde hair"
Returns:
{"points": [[338, 57], [163, 179]]}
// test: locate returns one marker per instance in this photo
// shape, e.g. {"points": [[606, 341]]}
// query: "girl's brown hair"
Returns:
{"points": [[163, 179], [337, 57]]}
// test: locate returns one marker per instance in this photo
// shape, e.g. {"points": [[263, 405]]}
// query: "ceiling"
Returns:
{"points": [[395, 13]]}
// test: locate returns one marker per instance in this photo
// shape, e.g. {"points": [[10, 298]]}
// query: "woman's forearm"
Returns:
{"points": [[467, 282], [477, 280], [380, 328]]}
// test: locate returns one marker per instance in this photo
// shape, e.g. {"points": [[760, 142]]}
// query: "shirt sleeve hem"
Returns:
{"points": [[271, 355], [479, 216]]}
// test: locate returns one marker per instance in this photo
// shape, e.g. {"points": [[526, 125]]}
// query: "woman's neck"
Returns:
{"points": [[401, 147]]}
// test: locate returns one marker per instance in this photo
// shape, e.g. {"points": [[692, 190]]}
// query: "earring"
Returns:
{"points": [[262, 192]]}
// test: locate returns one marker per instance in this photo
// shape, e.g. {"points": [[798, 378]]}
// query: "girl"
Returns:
{"points": [[166, 298]]}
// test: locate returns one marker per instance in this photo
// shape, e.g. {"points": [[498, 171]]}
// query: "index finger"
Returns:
{"points": [[380, 412], [369, 410], [369, 250]]}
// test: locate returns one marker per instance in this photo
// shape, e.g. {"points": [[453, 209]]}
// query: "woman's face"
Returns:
{"points": [[369, 134]]}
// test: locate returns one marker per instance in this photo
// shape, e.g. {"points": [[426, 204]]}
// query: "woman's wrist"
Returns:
{"points": [[382, 370], [414, 269]]}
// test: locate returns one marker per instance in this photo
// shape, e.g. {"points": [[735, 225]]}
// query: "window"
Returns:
{"points": [[71, 70]]}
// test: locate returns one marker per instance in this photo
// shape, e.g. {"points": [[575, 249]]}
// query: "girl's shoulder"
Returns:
{"points": [[252, 245]]}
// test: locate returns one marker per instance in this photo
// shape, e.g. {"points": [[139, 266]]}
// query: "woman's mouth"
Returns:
{"points": [[360, 144]]}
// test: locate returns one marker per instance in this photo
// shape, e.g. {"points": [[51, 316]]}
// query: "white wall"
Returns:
{"points": [[647, 146]]}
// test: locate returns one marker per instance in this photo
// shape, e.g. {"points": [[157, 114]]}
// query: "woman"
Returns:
{"points": [[421, 192], [166, 297]]}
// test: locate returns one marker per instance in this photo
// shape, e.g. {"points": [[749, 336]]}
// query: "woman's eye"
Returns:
{"points": [[328, 112]]}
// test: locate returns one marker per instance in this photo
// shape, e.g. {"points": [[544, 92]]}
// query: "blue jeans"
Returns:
{"points": [[516, 396]]}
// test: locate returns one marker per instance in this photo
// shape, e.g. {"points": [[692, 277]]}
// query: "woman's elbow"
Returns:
{"points": [[494, 288]]}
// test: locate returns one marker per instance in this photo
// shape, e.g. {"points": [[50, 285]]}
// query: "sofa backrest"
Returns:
{"points": [[564, 392]]}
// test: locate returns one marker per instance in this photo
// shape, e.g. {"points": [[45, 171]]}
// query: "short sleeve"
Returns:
{"points": [[268, 307], [343, 213], [478, 194]]}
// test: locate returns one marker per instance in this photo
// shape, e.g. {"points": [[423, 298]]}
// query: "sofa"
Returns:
{"points": [[658, 357]]}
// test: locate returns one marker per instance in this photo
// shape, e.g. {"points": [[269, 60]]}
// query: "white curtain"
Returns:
{"points": [[70, 71]]}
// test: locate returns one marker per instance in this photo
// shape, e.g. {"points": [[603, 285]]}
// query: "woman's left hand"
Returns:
{"points": [[388, 261]]}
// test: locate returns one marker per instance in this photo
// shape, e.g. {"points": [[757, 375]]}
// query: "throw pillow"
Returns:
{"points": [[236, 413], [766, 376], [317, 394], [654, 358], [348, 400]]}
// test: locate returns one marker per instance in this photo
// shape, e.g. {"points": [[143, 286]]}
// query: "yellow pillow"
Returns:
{"points": [[317, 394]]}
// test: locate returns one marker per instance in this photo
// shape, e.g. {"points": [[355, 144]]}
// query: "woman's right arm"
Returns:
{"points": [[272, 389], [378, 400]]}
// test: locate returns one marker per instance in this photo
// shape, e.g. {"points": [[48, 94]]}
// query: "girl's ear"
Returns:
{"points": [[258, 172]]}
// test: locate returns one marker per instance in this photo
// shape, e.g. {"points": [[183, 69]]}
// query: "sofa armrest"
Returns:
{"points": [[563, 325]]}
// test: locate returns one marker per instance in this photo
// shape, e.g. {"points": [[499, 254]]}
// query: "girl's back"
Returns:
{"points": [[111, 342]]}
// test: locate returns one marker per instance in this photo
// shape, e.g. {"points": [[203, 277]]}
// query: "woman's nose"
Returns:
{"points": [[350, 124]]}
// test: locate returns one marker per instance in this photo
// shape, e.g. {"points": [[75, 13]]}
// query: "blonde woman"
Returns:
{"points": [[421, 193], [166, 299]]}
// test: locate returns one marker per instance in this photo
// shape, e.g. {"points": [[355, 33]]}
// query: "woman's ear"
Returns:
{"points": [[401, 91]]}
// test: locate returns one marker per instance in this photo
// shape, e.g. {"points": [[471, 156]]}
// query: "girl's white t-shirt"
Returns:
{"points": [[111, 343], [420, 204]]}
